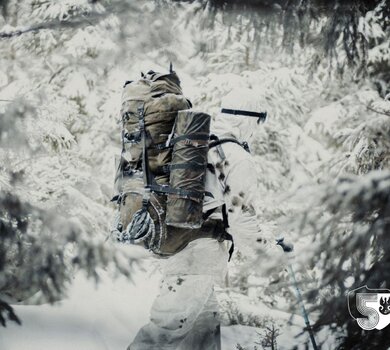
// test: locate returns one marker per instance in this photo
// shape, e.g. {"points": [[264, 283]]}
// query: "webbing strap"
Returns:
{"points": [[261, 116], [180, 192], [229, 237], [218, 145], [192, 137], [160, 146], [145, 164], [225, 216], [194, 166], [219, 142], [123, 151], [166, 169], [226, 235]]}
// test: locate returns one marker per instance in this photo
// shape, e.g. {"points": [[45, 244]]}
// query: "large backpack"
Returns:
{"points": [[160, 178]]}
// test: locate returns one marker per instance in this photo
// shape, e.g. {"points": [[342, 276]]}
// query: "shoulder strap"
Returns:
{"points": [[215, 142]]}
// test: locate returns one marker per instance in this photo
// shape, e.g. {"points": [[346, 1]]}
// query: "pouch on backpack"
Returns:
{"points": [[188, 170]]}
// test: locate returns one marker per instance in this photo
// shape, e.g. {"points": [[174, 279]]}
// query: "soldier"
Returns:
{"points": [[185, 315]]}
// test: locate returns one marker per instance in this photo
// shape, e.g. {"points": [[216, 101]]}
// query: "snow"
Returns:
{"points": [[108, 315], [92, 317], [244, 335]]}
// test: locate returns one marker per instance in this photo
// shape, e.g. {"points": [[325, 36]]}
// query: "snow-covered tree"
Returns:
{"points": [[321, 70], [54, 198]]}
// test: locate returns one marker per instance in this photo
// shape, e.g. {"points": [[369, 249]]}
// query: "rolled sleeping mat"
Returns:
{"points": [[188, 169]]}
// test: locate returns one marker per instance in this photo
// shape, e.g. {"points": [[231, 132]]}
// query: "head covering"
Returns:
{"points": [[239, 115]]}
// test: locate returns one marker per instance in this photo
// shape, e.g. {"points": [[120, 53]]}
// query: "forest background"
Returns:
{"points": [[322, 71]]}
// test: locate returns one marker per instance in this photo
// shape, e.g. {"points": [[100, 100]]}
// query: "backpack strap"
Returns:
{"points": [[220, 151], [180, 192], [166, 169], [145, 164], [225, 216], [228, 237], [225, 236], [216, 142], [190, 138]]}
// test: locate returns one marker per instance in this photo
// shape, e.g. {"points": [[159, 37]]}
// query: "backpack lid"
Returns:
{"points": [[151, 85], [153, 76]]}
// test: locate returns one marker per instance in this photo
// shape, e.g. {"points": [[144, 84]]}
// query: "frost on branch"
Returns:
{"points": [[39, 246]]}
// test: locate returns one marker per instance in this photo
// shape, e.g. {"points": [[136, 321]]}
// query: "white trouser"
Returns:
{"points": [[185, 314]]}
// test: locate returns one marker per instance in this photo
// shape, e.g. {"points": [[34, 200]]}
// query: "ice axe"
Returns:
{"points": [[288, 248]]}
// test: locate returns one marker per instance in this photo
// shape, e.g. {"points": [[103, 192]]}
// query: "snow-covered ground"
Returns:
{"points": [[107, 316], [93, 317]]}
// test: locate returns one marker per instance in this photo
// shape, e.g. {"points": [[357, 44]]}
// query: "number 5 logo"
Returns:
{"points": [[370, 307], [372, 315]]}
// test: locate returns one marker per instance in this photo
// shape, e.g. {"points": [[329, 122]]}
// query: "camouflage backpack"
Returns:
{"points": [[160, 179]]}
